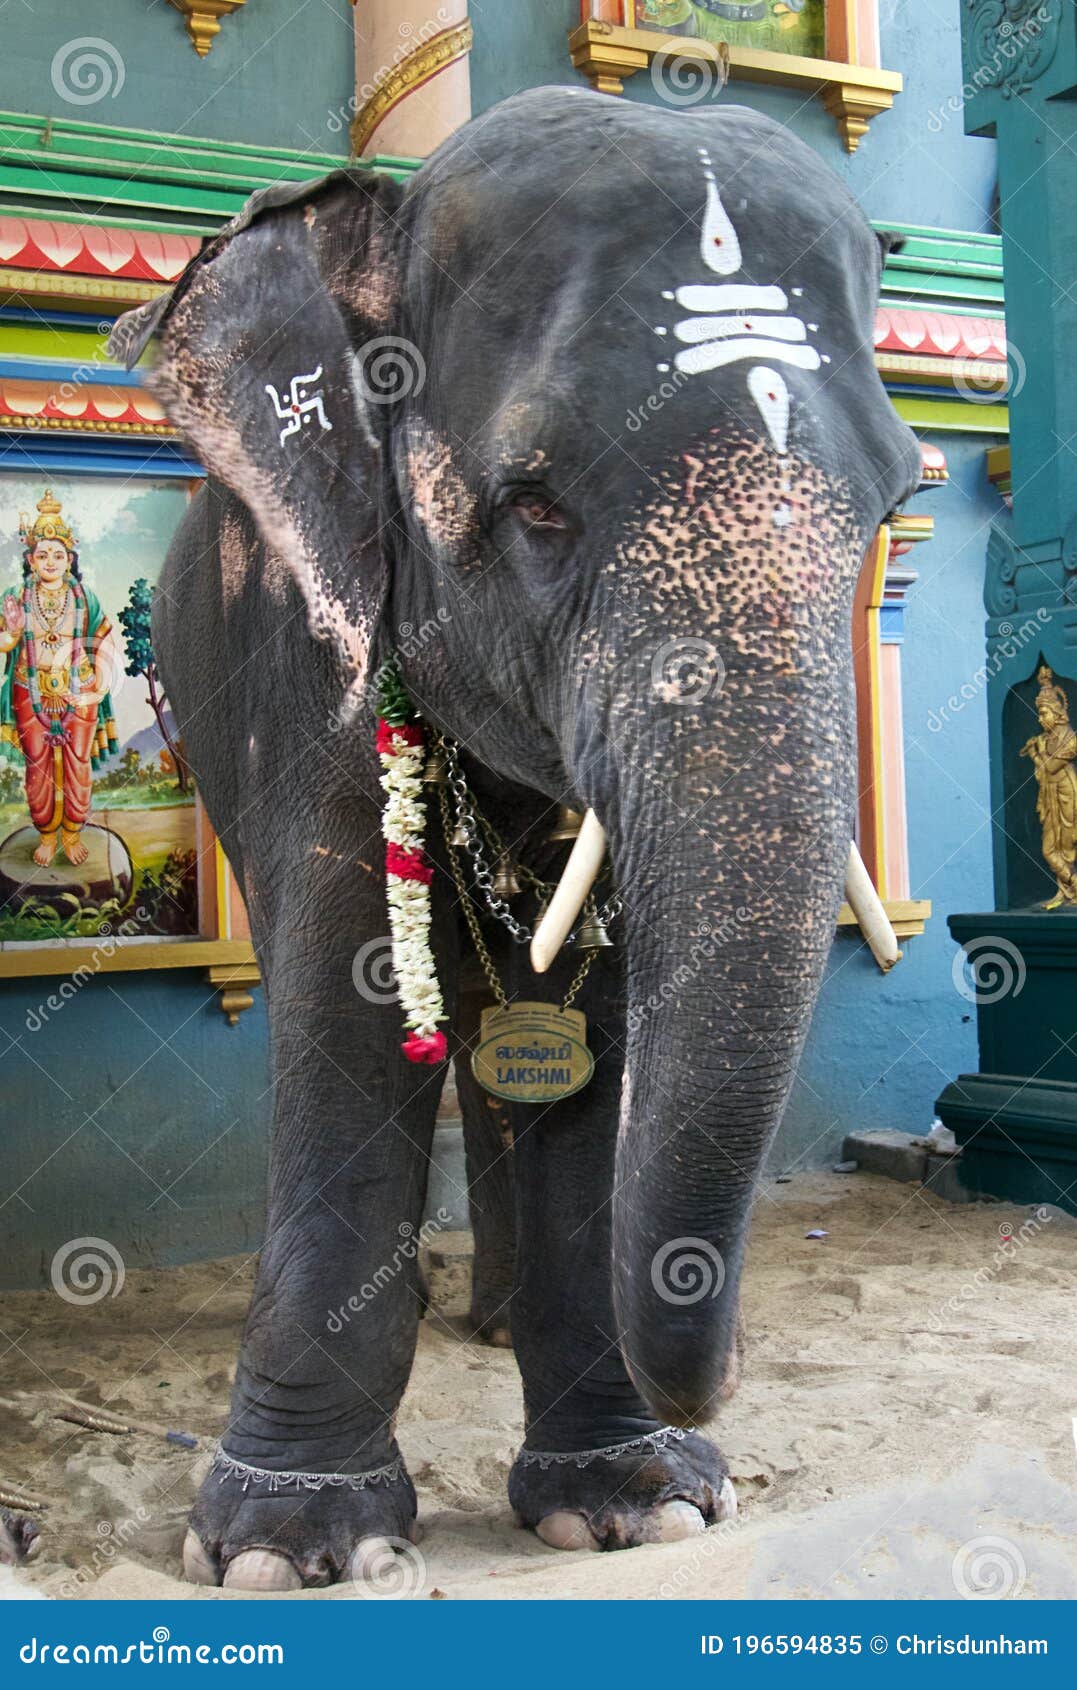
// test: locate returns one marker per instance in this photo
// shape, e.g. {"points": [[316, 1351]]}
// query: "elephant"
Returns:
{"points": [[582, 427]]}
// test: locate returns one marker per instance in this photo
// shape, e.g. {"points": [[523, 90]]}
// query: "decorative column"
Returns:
{"points": [[1017, 1118], [412, 77]]}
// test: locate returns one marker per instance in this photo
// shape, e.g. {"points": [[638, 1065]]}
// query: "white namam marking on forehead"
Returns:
{"points": [[720, 246], [755, 321], [772, 400]]}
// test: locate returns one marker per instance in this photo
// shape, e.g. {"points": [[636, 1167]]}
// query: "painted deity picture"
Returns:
{"points": [[97, 821], [779, 26]]}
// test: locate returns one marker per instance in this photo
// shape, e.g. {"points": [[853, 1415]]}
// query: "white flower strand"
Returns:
{"points": [[404, 825]]}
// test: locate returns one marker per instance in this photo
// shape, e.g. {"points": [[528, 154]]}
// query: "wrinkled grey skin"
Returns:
{"points": [[539, 565]]}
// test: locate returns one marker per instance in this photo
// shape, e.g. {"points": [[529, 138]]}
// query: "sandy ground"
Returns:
{"points": [[905, 1424]]}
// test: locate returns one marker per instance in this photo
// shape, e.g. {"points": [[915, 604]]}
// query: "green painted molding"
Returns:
{"points": [[951, 416], [137, 179], [949, 269]]}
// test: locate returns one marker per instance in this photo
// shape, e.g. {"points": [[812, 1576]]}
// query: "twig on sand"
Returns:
{"points": [[22, 1501], [97, 1419]]}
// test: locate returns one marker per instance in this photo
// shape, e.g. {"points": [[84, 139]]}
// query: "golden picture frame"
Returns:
{"points": [[609, 45]]}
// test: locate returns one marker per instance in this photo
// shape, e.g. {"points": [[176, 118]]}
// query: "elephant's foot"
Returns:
{"points": [[672, 1487], [256, 1538], [491, 1298]]}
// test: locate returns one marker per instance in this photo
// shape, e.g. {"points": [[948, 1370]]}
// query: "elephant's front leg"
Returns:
{"points": [[597, 1469], [310, 1482]]}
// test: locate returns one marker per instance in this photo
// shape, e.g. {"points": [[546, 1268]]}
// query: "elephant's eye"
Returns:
{"points": [[537, 511]]}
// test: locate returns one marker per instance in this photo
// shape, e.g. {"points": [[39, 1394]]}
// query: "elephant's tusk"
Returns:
{"points": [[580, 873], [867, 906]]}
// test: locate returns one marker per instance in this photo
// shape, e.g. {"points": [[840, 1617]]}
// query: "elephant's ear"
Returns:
{"points": [[262, 344]]}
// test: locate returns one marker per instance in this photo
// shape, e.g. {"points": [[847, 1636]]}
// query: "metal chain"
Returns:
{"points": [[470, 916], [472, 919], [467, 820], [474, 826]]}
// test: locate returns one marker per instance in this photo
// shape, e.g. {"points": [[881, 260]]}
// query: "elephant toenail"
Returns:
{"points": [[198, 1568], [260, 1569], [567, 1531], [675, 1520], [386, 1566]]}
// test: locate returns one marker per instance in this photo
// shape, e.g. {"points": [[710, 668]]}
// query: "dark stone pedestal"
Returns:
{"points": [[107, 873], [1016, 1120]]}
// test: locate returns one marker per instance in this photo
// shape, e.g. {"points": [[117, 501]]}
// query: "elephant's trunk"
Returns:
{"points": [[731, 856]]}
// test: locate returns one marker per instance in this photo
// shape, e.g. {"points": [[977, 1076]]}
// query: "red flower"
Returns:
{"points": [[390, 739], [408, 865], [431, 1049]]}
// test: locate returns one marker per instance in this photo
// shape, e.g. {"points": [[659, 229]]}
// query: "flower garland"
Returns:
{"points": [[401, 746], [54, 725]]}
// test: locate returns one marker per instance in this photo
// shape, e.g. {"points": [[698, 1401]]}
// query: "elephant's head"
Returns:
{"points": [[594, 400]]}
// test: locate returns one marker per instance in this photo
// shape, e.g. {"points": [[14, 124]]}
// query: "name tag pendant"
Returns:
{"points": [[532, 1052]]}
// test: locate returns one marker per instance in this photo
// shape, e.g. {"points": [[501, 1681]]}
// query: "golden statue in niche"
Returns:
{"points": [[1054, 753]]}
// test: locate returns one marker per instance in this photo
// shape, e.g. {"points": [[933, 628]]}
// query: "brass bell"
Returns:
{"points": [[436, 769], [459, 837], [592, 935], [506, 884], [567, 825]]}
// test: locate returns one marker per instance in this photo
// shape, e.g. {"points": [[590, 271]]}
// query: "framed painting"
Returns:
{"points": [[107, 859], [824, 47]]}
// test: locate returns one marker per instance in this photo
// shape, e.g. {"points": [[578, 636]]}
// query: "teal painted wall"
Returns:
{"points": [[138, 1085], [280, 73], [132, 1113], [915, 165], [881, 1047]]}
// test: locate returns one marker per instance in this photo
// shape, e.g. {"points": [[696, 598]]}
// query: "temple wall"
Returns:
{"points": [[279, 74]]}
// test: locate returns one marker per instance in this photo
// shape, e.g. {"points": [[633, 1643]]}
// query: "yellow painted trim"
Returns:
{"points": [[24, 422], [19, 961], [874, 619], [998, 463], [951, 416], [853, 94], [984, 375], [90, 290], [224, 903], [202, 18], [908, 916]]}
